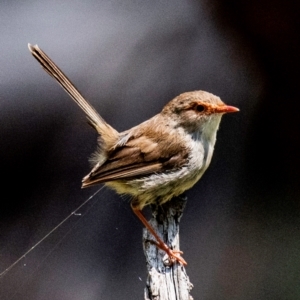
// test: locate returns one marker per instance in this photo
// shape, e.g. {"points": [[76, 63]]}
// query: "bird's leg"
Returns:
{"points": [[173, 254]]}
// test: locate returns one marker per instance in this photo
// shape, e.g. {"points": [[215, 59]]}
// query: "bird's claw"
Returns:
{"points": [[174, 255]]}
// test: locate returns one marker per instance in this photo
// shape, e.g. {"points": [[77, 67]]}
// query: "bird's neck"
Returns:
{"points": [[207, 137], [209, 130]]}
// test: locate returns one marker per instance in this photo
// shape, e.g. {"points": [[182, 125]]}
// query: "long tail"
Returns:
{"points": [[108, 134]]}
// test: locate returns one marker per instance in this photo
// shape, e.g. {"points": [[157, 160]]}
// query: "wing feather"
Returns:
{"points": [[126, 173], [140, 156]]}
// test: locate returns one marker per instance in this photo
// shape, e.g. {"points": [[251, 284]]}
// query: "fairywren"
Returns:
{"points": [[157, 159]]}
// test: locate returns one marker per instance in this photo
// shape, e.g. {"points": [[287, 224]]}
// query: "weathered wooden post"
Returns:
{"points": [[165, 281]]}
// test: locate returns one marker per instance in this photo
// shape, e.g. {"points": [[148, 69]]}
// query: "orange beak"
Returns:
{"points": [[226, 109]]}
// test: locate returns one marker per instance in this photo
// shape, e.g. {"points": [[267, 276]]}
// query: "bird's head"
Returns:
{"points": [[197, 111]]}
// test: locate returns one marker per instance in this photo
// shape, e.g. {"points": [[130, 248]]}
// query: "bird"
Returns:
{"points": [[156, 160]]}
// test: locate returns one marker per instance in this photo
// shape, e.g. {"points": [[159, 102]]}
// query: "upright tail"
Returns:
{"points": [[108, 134]]}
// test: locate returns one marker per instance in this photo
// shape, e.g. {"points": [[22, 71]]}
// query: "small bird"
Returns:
{"points": [[157, 159]]}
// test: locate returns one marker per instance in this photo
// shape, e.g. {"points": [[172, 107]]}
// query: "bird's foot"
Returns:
{"points": [[174, 255]]}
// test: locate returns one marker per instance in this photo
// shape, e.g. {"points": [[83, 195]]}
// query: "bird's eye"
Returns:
{"points": [[200, 108]]}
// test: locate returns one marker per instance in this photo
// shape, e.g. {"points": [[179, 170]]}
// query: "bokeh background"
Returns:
{"points": [[240, 232]]}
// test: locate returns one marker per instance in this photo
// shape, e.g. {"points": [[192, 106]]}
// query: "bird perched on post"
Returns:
{"points": [[157, 159]]}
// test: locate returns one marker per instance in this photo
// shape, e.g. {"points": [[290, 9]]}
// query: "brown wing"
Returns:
{"points": [[140, 156]]}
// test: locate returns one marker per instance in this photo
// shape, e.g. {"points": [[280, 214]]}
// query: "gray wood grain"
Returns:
{"points": [[165, 281]]}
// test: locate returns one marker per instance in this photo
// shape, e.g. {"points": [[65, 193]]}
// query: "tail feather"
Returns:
{"points": [[108, 134]]}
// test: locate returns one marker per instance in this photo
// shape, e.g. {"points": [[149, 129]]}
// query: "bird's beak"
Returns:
{"points": [[226, 109]]}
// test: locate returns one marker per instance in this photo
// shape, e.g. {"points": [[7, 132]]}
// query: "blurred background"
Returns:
{"points": [[240, 231]]}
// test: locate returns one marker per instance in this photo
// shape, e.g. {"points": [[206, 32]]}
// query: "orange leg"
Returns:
{"points": [[173, 254]]}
